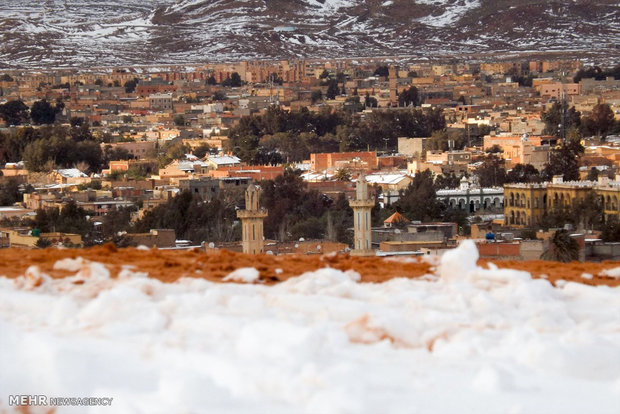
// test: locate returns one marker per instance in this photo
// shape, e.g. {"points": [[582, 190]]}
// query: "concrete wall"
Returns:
{"points": [[158, 238]]}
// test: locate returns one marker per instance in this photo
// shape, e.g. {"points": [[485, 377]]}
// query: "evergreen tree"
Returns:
{"points": [[332, 89], [409, 97], [419, 201], [564, 161]]}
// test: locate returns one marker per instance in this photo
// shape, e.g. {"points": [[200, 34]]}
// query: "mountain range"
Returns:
{"points": [[97, 33]]}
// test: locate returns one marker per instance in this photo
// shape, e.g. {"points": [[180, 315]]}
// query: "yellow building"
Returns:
{"points": [[525, 204], [610, 195]]}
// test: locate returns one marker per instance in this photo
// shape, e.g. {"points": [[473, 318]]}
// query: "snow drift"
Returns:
{"points": [[467, 339]]}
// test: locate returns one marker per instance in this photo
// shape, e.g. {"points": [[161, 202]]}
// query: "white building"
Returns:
{"points": [[472, 199]]}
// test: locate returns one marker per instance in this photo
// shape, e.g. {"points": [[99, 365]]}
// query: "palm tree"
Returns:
{"points": [[562, 248]]}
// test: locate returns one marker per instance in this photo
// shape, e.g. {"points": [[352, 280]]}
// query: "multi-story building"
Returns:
{"points": [[525, 204], [160, 101]]}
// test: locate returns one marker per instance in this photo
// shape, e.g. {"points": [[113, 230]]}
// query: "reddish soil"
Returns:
{"points": [[169, 265]]}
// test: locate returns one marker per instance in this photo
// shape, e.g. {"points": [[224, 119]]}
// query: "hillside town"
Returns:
{"points": [[300, 156]]}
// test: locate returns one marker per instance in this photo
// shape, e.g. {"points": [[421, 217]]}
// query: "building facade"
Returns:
{"points": [[472, 199], [526, 204]]}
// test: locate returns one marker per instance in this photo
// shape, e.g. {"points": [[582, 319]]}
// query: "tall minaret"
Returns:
{"points": [[252, 221], [362, 243]]}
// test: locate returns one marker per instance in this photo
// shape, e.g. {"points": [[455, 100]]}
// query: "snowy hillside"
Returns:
{"points": [[97, 33], [464, 339]]}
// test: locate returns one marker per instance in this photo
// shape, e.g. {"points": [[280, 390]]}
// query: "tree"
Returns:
{"points": [[116, 221], [172, 151], [588, 211], [562, 248], [611, 230], [560, 118], [352, 104], [447, 181], [116, 154], [219, 96], [383, 71], [9, 192], [443, 141], [233, 81], [597, 73], [592, 174], [42, 112], [36, 155], [43, 243], [495, 149], [342, 174], [201, 150], [521, 173], [6, 78], [14, 112], [492, 172], [130, 85], [290, 203], [72, 219], [408, 97], [332, 89], [419, 201], [316, 96], [564, 161], [211, 80], [600, 120], [194, 219], [370, 102], [179, 120]]}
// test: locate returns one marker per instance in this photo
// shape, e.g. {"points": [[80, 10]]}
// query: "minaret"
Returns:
{"points": [[361, 219], [252, 221]]}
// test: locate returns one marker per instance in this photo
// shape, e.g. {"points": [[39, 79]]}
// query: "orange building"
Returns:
{"points": [[324, 161]]}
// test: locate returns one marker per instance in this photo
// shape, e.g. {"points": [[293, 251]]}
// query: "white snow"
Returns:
{"points": [[472, 340], [244, 274], [453, 12], [615, 272]]}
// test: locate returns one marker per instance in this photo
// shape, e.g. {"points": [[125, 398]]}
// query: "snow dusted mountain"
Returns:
{"points": [[96, 33]]}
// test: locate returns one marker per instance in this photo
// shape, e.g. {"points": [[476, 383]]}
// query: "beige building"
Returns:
{"points": [[413, 147], [524, 152], [558, 90], [160, 102]]}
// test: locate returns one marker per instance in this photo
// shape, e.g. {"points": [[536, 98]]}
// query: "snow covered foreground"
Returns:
{"points": [[466, 340]]}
